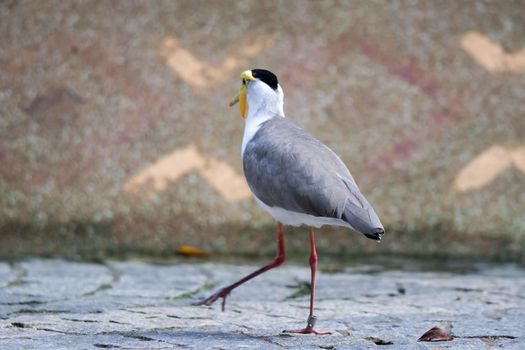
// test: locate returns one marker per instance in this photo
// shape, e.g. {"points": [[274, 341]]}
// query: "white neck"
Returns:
{"points": [[264, 103]]}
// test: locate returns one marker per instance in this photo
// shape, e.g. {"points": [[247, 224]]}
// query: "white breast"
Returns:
{"points": [[250, 129], [263, 104]]}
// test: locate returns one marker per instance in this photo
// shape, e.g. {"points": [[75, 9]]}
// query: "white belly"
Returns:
{"points": [[288, 217]]}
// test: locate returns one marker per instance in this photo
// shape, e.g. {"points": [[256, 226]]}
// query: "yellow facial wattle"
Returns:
{"points": [[246, 77], [243, 105]]}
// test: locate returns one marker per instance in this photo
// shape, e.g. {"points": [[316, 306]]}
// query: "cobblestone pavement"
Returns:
{"points": [[56, 304], [423, 100]]}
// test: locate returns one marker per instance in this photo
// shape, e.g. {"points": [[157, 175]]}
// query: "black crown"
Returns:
{"points": [[266, 76]]}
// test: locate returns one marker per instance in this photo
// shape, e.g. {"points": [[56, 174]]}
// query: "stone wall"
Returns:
{"points": [[115, 131]]}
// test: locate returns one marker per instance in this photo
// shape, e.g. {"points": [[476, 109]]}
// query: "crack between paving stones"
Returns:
{"points": [[208, 275], [505, 294], [492, 337], [26, 302], [280, 316], [28, 326], [57, 331], [38, 311], [135, 311], [79, 320], [301, 289], [115, 278], [19, 278], [123, 334], [207, 285], [243, 326], [117, 322], [145, 338], [187, 318], [265, 338], [139, 337], [346, 331]]}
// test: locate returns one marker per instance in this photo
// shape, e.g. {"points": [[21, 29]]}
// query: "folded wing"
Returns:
{"points": [[287, 168]]}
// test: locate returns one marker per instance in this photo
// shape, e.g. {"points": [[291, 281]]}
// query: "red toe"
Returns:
{"points": [[307, 330]]}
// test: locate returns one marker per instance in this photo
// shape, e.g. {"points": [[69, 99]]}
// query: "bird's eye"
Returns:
{"points": [[244, 82]]}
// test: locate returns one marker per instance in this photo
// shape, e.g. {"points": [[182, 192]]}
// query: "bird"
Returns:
{"points": [[295, 178]]}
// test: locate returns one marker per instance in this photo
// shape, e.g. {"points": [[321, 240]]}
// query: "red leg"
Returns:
{"points": [[313, 267], [279, 259]]}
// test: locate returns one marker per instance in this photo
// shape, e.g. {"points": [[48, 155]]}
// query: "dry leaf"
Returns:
{"points": [[436, 334], [188, 250]]}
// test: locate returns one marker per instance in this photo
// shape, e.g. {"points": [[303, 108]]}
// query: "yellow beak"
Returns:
{"points": [[246, 77]]}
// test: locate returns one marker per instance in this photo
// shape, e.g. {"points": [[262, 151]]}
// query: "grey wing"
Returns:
{"points": [[281, 178], [287, 168]]}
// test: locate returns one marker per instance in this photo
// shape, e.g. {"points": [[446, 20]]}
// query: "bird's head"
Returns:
{"points": [[260, 90]]}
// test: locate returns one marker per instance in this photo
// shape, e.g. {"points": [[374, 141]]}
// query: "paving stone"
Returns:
{"points": [[138, 305]]}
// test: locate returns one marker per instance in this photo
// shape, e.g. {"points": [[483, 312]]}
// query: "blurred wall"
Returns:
{"points": [[115, 130]]}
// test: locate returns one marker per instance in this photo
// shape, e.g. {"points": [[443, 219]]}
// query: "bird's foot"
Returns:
{"points": [[221, 293], [309, 328]]}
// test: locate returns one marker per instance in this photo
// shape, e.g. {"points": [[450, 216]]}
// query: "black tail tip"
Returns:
{"points": [[375, 234]]}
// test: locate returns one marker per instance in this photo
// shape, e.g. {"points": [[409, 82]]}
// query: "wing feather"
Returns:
{"points": [[287, 168]]}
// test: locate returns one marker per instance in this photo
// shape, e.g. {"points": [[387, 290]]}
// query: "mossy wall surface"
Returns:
{"points": [[116, 135]]}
